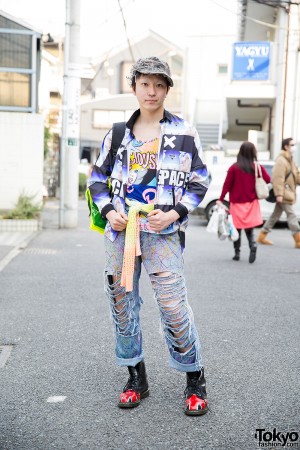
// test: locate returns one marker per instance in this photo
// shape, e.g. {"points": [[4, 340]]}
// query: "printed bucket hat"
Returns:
{"points": [[151, 66]]}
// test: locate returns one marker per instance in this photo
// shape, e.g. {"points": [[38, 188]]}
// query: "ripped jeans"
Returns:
{"points": [[163, 261]]}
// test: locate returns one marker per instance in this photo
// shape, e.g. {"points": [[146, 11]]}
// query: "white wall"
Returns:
{"points": [[204, 86], [21, 157]]}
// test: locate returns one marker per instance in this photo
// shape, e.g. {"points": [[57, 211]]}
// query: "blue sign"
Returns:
{"points": [[251, 61]]}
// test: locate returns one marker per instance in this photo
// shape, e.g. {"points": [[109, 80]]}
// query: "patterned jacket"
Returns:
{"points": [[182, 177]]}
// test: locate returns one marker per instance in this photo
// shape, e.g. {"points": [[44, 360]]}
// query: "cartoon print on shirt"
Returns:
{"points": [[135, 177], [118, 204], [165, 195], [178, 195], [185, 162], [149, 195], [117, 172], [142, 171], [169, 160]]}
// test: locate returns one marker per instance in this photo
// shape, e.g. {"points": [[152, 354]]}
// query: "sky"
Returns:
{"points": [[102, 25]]}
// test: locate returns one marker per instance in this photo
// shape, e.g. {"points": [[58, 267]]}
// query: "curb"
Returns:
{"points": [[20, 225], [17, 250]]}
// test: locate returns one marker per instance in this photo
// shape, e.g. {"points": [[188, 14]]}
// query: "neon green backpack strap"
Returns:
{"points": [[97, 222]]}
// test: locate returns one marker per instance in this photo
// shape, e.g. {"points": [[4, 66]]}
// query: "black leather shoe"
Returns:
{"points": [[136, 387], [196, 403]]}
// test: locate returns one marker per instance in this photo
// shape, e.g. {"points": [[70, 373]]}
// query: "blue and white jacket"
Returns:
{"points": [[182, 177]]}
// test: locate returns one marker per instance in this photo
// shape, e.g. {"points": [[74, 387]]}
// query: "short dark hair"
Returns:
{"points": [[286, 142], [139, 74]]}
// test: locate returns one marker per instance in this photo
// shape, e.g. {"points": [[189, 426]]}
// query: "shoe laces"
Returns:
{"points": [[132, 383], [195, 387]]}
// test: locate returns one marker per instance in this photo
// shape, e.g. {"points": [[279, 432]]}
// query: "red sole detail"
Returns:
{"points": [[196, 406], [133, 404], [200, 412]]}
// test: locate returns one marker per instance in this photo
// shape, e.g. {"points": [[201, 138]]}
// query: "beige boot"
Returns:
{"points": [[262, 238], [296, 237]]}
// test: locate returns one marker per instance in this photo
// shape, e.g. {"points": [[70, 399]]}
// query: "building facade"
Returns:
{"points": [[21, 127], [249, 87]]}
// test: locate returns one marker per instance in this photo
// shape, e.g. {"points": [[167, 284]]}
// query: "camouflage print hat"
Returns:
{"points": [[150, 66]]}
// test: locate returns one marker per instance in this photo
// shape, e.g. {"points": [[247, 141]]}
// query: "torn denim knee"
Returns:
{"points": [[124, 306], [176, 317], [125, 309]]}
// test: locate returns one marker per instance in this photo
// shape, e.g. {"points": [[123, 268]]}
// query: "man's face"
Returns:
{"points": [[291, 147], [151, 91]]}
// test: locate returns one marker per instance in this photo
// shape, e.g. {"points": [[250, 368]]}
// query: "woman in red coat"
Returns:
{"points": [[244, 204]]}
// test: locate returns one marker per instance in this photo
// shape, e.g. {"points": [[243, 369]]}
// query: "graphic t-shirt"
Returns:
{"points": [[142, 171], [142, 174]]}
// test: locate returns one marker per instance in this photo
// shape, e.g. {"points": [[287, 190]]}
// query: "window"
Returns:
{"points": [[15, 50], [14, 89], [19, 59], [222, 69]]}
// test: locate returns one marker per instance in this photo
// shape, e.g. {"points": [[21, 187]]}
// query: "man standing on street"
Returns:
{"points": [[285, 178], [157, 177]]}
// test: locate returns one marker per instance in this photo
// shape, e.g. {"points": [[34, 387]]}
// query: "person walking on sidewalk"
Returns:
{"points": [[244, 204], [285, 177], [157, 179]]}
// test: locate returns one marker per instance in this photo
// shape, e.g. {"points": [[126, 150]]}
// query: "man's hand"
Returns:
{"points": [[279, 199], [159, 220], [117, 220]]}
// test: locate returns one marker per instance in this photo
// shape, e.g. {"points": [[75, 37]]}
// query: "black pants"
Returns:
{"points": [[250, 236]]}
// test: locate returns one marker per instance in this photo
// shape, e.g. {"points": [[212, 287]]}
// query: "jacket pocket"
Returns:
{"points": [[289, 195]]}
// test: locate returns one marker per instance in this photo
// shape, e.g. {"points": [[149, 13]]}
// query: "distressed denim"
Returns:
{"points": [[160, 253]]}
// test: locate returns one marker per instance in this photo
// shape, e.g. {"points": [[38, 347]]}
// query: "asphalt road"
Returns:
{"points": [[54, 312]]}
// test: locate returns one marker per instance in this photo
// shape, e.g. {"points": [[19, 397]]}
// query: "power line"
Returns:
{"points": [[128, 41], [107, 53], [108, 19]]}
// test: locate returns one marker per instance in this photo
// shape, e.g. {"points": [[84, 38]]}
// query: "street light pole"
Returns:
{"points": [[69, 156]]}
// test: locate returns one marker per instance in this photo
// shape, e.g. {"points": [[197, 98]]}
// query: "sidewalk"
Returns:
{"points": [[13, 242]]}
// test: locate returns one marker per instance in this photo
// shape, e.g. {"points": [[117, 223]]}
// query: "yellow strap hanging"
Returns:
{"points": [[132, 241]]}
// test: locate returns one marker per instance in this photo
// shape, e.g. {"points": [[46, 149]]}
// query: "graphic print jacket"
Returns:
{"points": [[182, 177]]}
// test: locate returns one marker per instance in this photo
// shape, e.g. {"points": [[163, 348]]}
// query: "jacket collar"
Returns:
{"points": [[286, 155], [167, 117]]}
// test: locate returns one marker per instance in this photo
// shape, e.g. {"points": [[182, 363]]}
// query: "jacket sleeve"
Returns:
{"points": [[227, 183], [265, 175], [298, 177], [278, 177], [98, 183], [198, 181]]}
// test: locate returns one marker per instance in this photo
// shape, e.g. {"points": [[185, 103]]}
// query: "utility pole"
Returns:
{"points": [[69, 155]]}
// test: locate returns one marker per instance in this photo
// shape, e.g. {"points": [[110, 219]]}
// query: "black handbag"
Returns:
{"points": [[272, 198]]}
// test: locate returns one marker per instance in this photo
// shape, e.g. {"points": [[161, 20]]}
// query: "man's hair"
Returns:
{"points": [[285, 142], [246, 156], [138, 75]]}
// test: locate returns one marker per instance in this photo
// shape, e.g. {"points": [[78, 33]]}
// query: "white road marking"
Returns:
{"points": [[56, 399]]}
